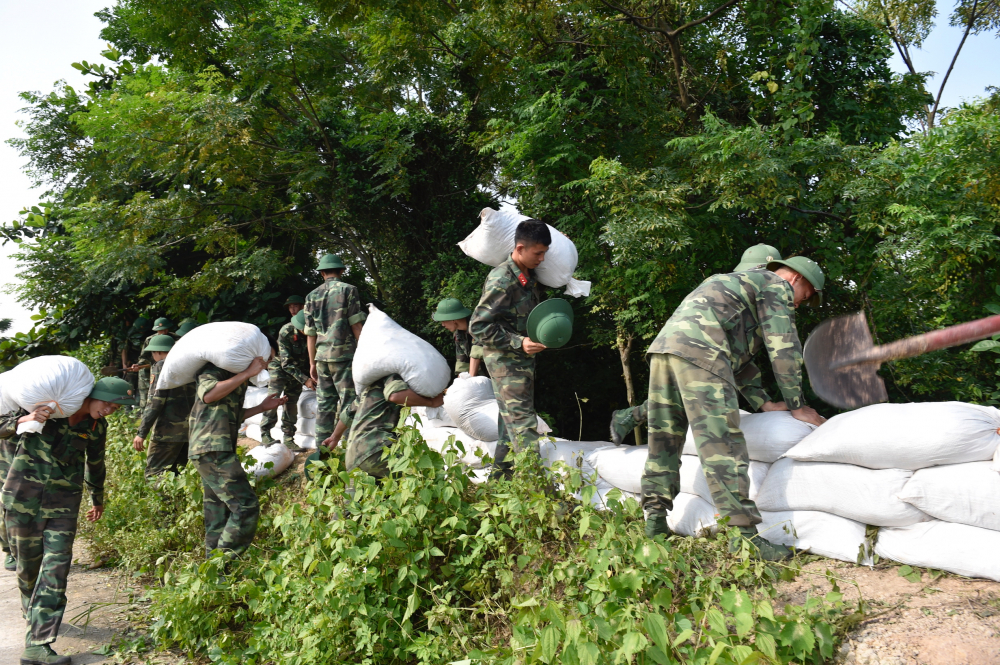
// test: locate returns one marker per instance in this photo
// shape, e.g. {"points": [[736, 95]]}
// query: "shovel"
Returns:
{"points": [[843, 361], [111, 370]]}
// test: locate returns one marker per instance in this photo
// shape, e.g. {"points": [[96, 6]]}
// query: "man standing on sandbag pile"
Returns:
{"points": [[624, 421], [454, 316], [230, 504], [41, 501], [333, 318], [699, 361], [500, 323], [288, 372], [161, 326], [165, 415]]}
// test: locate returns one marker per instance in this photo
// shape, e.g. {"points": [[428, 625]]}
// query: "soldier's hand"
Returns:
{"points": [[437, 401], [313, 374], [807, 414], [95, 513], [257, 365], [310, 384], [774, 406], [139, 443], [272, 402], [330, 442], [39, 415], [532, 348]]}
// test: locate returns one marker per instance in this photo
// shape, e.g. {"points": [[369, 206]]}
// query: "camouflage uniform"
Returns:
{"points": [[288, 371], [231, 506], [699, 363], [41, 500], [146, 358], [625, 420], [330, 311], [500, 324], [8, 446], [166, 414], [466, 348], [372, 420], [133, 348]]}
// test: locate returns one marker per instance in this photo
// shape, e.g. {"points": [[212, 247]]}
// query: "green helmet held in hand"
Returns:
{"points": [[551, 323]]}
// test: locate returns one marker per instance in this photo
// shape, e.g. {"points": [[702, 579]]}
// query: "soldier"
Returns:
{"points": [[186, 326], [132, 346], [333, 318], [699, 361], [161, 326], [289, 372], [41, 500], [8, 446], [166, 415], [500, 323], [627, 420], [230, 503], [454, 316], [372, 418]]}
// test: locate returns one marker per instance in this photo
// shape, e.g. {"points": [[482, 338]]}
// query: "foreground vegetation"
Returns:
{"points": [[430, 567]]}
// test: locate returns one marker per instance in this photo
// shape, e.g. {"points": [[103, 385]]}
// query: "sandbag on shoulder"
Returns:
{"points": [[472, 406], [385, 348], [692, 516], [957, 548], [493, 241], [230, 345], [816, 532], [905, 436], [277, 454], [769, 434], [61, 382], [868, 496], [964, 493], [693, 479]]}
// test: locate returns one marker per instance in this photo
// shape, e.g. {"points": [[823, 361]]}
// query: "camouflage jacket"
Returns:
{"points": [[167, 411], [50, 468], [723, 323], [146, 358], [214, 427], [466, 348], [293, 354], [330, 311], [8, 440], [372, 418], [500, 320]]}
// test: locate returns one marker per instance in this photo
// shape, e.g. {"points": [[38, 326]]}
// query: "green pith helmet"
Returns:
{"points": [[757, 256], [114, 390], [808, 269], [186, 326], [162, 323], [451, 309], [161, 343], [331, 262], [294, 300], [299, 321], [551, 323]]}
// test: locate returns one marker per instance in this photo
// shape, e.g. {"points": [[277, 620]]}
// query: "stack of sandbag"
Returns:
{"points": [[230, 345], [433, 417], [305, 427], [386, 348], [472, 406], [60, 382], [277, 455], [922, 472], [493, 241]]}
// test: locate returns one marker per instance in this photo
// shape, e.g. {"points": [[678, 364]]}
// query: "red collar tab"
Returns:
{"points": [[521, 278]]}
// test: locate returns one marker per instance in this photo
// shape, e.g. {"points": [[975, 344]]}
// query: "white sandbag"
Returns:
{"points": [[277, 454], [306, 426], [386, 348], [430, 417], [308, 405], [964, 493], [571, 453], [601, 500], [692, 516], [305, 441], [438, 438], [996, 461], [620, 465], [769, 434], [230, 345], [252, 431], [493, 241], [868, 496], [816, 532], [693, 477], [472, 406], [254, 396], [905, 436], [61, 382], [957, 548]]}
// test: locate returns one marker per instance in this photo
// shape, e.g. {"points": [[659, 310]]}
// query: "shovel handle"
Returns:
{"points": [[932, 341]]}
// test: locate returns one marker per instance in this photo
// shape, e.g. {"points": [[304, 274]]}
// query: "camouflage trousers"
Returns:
{"points": [[514, 386], [624, 421], [8, 449], [143, 388], [230, 504], [680, 394], [375, 465], [278, 383], [162, 456], [44, 551], [334, 391]]}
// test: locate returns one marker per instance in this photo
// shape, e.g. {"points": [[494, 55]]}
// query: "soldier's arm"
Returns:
{"points": [[776, 314], [287, 360], [749, 382], [356, 315], [8, 423], [486, 325], [95, 471], [156, 399]]}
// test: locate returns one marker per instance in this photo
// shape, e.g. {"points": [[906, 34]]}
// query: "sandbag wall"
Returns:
{"points": [[305, 428]]}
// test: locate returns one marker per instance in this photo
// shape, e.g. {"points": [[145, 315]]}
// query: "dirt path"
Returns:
{"points": [[945, 621]]}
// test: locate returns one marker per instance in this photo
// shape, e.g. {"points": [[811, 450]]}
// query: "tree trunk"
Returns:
{"points": [[625, 352]]}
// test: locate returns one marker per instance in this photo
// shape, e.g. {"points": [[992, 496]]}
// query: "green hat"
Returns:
{"points": [[551, 323], [331, 262], [115, 390], [161, 343], [185, 327], [299, 321], [757, 256], [451, 309], [295, 300], [162, 323], [808, 269]]}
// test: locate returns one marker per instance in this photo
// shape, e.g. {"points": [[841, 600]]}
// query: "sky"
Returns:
{"points": [[42, 38]]}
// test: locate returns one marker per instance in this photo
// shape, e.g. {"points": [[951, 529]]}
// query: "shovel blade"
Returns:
{"points": [[834, 341]]}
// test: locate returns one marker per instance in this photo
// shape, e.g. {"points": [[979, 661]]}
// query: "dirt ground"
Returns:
{"points": [[949, 620]]}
